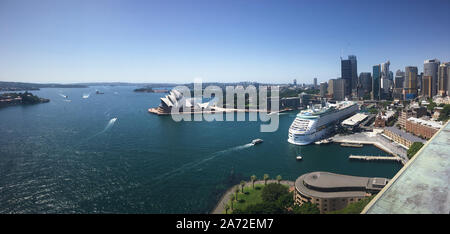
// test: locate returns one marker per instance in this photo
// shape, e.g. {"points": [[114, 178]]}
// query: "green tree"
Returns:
{"points": [[232, 201], [413, 149], [253, 179], [279, 178], [236, 190], [226, 207], [272, 192], [306, 208], [445, 113], [266, 177], [242, 185]]}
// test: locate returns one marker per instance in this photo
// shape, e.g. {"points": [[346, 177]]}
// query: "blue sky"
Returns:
{"points": [[249, 40]]}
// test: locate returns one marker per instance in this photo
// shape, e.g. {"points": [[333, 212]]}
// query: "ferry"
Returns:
{"points": [[257, 141], [315, 123]]}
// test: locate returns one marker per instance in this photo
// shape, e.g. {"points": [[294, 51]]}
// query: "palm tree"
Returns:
{"points": [[226, 207], [279, 178], [266, 177], [232, 201], [236, 190], [242, 185], [253, 179]]}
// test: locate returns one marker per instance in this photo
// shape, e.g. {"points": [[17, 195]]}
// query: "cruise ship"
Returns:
{"points": [[314, 124]]}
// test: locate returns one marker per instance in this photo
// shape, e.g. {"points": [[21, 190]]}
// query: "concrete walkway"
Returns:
{"points": [[376, 140], [219, 209]]}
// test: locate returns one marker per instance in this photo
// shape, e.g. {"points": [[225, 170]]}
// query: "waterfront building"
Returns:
{"points": [[323, 89], [350, 74], [330, 191], [421, 127], [430, 68], [353, 122], [410, 87], [404, 138], [376, 82], [443, 78]]}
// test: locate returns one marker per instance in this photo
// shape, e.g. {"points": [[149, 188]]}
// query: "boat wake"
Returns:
{"points": [[192, 165], [108, 126]]}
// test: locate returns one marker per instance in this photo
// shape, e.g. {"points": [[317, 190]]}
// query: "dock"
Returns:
{"points": [[352, 145], [366, 157]]}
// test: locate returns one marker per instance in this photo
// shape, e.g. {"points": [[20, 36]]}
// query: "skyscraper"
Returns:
{"points": [[410, 86], [315, 83], [323, 89], [365, 81], [339, 86], [384, 82], [376, 82], [398, 84], [443, 78], [430, 68], [426, 86], [295, 81], [349, 73]]}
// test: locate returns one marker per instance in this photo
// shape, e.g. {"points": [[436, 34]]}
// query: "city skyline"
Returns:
{"points": [[176, 41]]}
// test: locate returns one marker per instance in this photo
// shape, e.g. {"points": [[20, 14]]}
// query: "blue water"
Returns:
{"points": [[71, 157]]}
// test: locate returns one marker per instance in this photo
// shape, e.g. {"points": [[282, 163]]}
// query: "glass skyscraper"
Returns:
{"points": [[376, 73]]}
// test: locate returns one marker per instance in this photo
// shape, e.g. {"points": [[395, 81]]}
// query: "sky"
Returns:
{"points": [[69, 41]]}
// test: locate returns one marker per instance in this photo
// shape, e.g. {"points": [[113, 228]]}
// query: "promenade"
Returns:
{"points": [[219, 209], [376, 140]]}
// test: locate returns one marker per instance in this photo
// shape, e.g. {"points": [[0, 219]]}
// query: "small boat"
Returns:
{"points": [[299, 157], [98, 92], [257, 141]]}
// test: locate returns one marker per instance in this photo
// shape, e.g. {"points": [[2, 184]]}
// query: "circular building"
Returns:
{"points": [[334, 191]]}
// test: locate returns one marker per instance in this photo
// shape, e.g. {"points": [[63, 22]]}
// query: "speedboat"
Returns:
{"points": [[257, 141], [299, 157]]}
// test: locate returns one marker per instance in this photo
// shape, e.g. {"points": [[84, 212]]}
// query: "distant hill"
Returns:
{"points": [[18, 86]]}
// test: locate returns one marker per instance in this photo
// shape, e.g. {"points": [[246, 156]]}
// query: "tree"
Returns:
{"points": [[413, 149], [279, 178], [266, 177], [236, 190], [226, 207], [272, 192], [253, 179], [445, 113], [306, 208], [232, 201], [242, 185]]}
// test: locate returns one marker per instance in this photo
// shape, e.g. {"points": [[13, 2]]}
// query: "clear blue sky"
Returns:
{"points": [[248, 40]]}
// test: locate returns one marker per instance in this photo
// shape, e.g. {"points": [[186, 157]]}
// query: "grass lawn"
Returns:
{"points": [[249, 197]]}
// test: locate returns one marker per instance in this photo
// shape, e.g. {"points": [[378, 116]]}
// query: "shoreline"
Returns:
{"points": [[158, 111], [225, 198]]}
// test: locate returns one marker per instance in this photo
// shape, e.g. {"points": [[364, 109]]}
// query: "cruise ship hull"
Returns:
{"points": [[307, 129]]}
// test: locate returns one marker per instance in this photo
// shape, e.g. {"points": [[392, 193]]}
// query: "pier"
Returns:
{"points": [[366, 157]]}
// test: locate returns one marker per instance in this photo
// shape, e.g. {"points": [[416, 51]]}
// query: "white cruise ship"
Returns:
{"points": [[313, 124]]}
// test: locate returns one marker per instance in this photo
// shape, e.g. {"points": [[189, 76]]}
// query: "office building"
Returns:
{"points": [[430, 68], [443, 78], [410, 87], [315, 83], [376, 82], [422, 128], [339, 86], [401, 137], [350, 74], [427, 84], [365, 84], [323, 89], [385, 81]]}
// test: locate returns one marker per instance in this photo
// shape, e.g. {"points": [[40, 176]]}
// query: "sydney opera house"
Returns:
{"points": [[175, 99]]}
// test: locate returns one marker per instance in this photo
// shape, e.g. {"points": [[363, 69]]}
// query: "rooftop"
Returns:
{"points": [[430, 123], [329, 185], [422, 185], [355, 119], [406, 135]]}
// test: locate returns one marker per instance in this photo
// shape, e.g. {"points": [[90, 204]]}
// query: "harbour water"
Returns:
{"points": [[106, 154]]}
